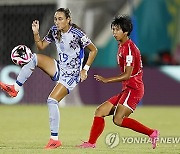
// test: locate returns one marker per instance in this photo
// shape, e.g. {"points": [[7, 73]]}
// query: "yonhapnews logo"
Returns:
{"points": [[113, 139]]}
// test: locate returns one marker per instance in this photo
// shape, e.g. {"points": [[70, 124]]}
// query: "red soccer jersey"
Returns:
{"points": [[129, 55]]}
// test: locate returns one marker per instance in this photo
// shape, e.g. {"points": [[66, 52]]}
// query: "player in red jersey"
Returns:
{"points": [[124, 103]]}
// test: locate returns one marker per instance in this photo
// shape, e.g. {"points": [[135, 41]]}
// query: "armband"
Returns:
{"points": [[86, 67]]}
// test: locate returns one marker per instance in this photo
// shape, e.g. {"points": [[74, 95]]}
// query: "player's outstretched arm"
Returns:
{"points": [[122, 77]]}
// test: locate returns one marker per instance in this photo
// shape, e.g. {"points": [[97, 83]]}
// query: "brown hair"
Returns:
{"points": [[67, 14]]}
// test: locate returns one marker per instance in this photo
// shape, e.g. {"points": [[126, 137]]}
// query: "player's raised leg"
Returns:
{"points": [[25, 72], [45, 63], [58, 93]]}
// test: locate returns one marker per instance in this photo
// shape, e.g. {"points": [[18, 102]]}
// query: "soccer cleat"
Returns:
{"points": [[154, 138], [52, 144], [9, 89], [86, 145]]}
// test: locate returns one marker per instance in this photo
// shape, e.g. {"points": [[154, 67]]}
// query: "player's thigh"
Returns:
{"points": [[47, 64], [59, 92], [104, 109]]}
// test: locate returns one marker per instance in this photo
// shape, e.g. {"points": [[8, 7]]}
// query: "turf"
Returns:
{"points": [[24, 129]]}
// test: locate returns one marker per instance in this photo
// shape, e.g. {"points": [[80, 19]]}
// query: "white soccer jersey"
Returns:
{"points": [[70, 49]]}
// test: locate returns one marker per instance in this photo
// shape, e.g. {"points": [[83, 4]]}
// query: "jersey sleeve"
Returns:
{"points": [[129, 56], [50, 35], [84, 40]]}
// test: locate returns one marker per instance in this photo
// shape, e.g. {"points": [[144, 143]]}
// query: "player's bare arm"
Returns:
{"points": [[122, 77], [92, 54], [41, 44]]}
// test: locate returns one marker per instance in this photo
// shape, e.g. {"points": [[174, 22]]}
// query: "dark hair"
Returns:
{"points": [[124, 22], [67, 14]]}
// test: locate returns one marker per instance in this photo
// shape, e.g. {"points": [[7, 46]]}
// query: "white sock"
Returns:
{"points": [[17, 87], [54, 117], [27, 70], [54, 137]]}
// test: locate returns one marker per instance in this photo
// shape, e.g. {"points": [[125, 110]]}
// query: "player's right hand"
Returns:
{"points": [[100, 78], [35, 26], [83, 75]]}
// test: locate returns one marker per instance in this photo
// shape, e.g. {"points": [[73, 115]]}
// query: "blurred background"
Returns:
{"points": [[156, 32]]}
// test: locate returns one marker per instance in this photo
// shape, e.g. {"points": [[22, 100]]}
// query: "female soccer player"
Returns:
{"points": [[70, 42], [124, 103]]}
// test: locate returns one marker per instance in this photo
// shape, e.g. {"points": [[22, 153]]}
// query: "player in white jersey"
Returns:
{"points": [[70, 42], [71, 53]]}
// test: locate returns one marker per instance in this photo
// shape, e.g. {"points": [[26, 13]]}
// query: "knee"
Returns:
{"points": [[99, 112], [52, 101], [117, 121]]}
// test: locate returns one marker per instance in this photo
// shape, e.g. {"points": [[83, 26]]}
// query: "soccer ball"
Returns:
{"points": [[21, 55]]}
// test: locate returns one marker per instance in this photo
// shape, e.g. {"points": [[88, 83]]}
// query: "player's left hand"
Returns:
{"points": [[83, 75], [100, 78]]}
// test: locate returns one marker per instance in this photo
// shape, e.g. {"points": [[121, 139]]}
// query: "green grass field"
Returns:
{"points": [[24, 129]]}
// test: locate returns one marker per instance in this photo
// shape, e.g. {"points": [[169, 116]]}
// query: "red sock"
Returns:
{"points": [[136, 126], [96, 129]]}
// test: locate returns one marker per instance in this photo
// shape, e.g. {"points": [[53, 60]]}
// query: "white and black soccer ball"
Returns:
{"points": [[21, 55]]}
